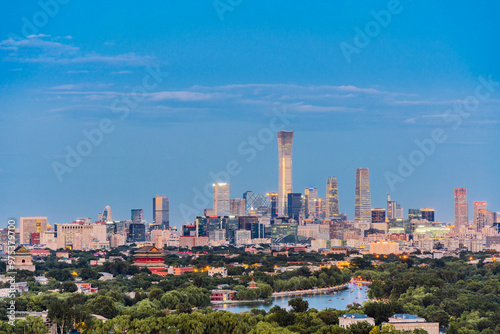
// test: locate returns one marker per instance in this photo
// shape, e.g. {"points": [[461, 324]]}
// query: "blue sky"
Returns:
{"points": [[223, 81]]}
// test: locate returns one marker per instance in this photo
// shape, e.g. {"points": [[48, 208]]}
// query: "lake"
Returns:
{"points": [[318, 301]]}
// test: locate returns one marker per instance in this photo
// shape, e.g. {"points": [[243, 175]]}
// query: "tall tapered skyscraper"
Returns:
{"points": [[222, 201], [332, 197], [461, 207], [362, 207], [285, 141], [161, 211]]}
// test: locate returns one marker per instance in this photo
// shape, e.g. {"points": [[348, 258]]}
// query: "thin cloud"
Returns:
{"points": [[37, 49], [186, 96]]}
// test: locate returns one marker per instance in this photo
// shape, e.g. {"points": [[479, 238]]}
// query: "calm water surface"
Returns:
{"points": [[319, 301]]}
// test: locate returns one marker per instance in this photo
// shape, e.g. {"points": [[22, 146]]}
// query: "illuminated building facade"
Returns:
{"points": [[394, 210], [311, 196], [273, 198], [161, 211], [461, 208], [378, 215], [285, 142], [30, 225], [222, 203], [332, 197], [237, 207], [362, 207], [476, 207], [428, 214]]}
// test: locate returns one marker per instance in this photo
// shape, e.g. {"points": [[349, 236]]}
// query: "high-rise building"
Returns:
{"points": [[394, 210], [189, 230], [378, 215], [294, 202], [222, 203], [136, 232], [428, 214], [106, 215], [311, 196], [362, 207], [485, 218], [161, 211], [414, 214], [461, 207], [256, 204], [320, 207], [332, 197], [273, 198], [30, 225], [285, 142], [136, 216], [476, 207], [237, 207]]}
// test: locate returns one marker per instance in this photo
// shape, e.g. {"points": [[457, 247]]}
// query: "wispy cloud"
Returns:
{"points": [[187, 96], [41, 49]]}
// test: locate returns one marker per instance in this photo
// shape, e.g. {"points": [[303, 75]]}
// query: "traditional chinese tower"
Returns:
{"points": [[150, 257], [23, 259]]}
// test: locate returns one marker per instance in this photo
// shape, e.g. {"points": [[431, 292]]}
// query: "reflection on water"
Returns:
{"points": [[339, 300]]}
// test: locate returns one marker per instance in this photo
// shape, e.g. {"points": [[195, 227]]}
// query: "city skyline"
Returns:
{"points": [[217, 94]]}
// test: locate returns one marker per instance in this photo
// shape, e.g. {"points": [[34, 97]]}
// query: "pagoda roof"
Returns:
{"points": [[21, 249], [148, 249]]}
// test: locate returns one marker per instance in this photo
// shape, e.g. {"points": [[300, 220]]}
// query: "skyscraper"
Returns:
{"points": [[106, 215], [332, 197], [461, 207], [362, 207], [311, 196], [273, 197], [428, 214], [256, 204], [485, 218], [294, 202], [414, 214], [136, 216], [476, 207], [394, 210], [30, 225], [285, 141], [222, 203], [237, 207], [378, 215], [161, 211]]}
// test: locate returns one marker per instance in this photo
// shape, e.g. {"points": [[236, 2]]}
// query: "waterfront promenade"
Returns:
{"points": [[310, 291]]}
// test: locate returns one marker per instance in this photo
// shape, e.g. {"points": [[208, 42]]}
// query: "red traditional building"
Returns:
{"points": [[222, 295], [150, 257]]}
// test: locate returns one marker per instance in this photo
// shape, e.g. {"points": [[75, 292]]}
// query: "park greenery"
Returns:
{"points": [[463, 297]]}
